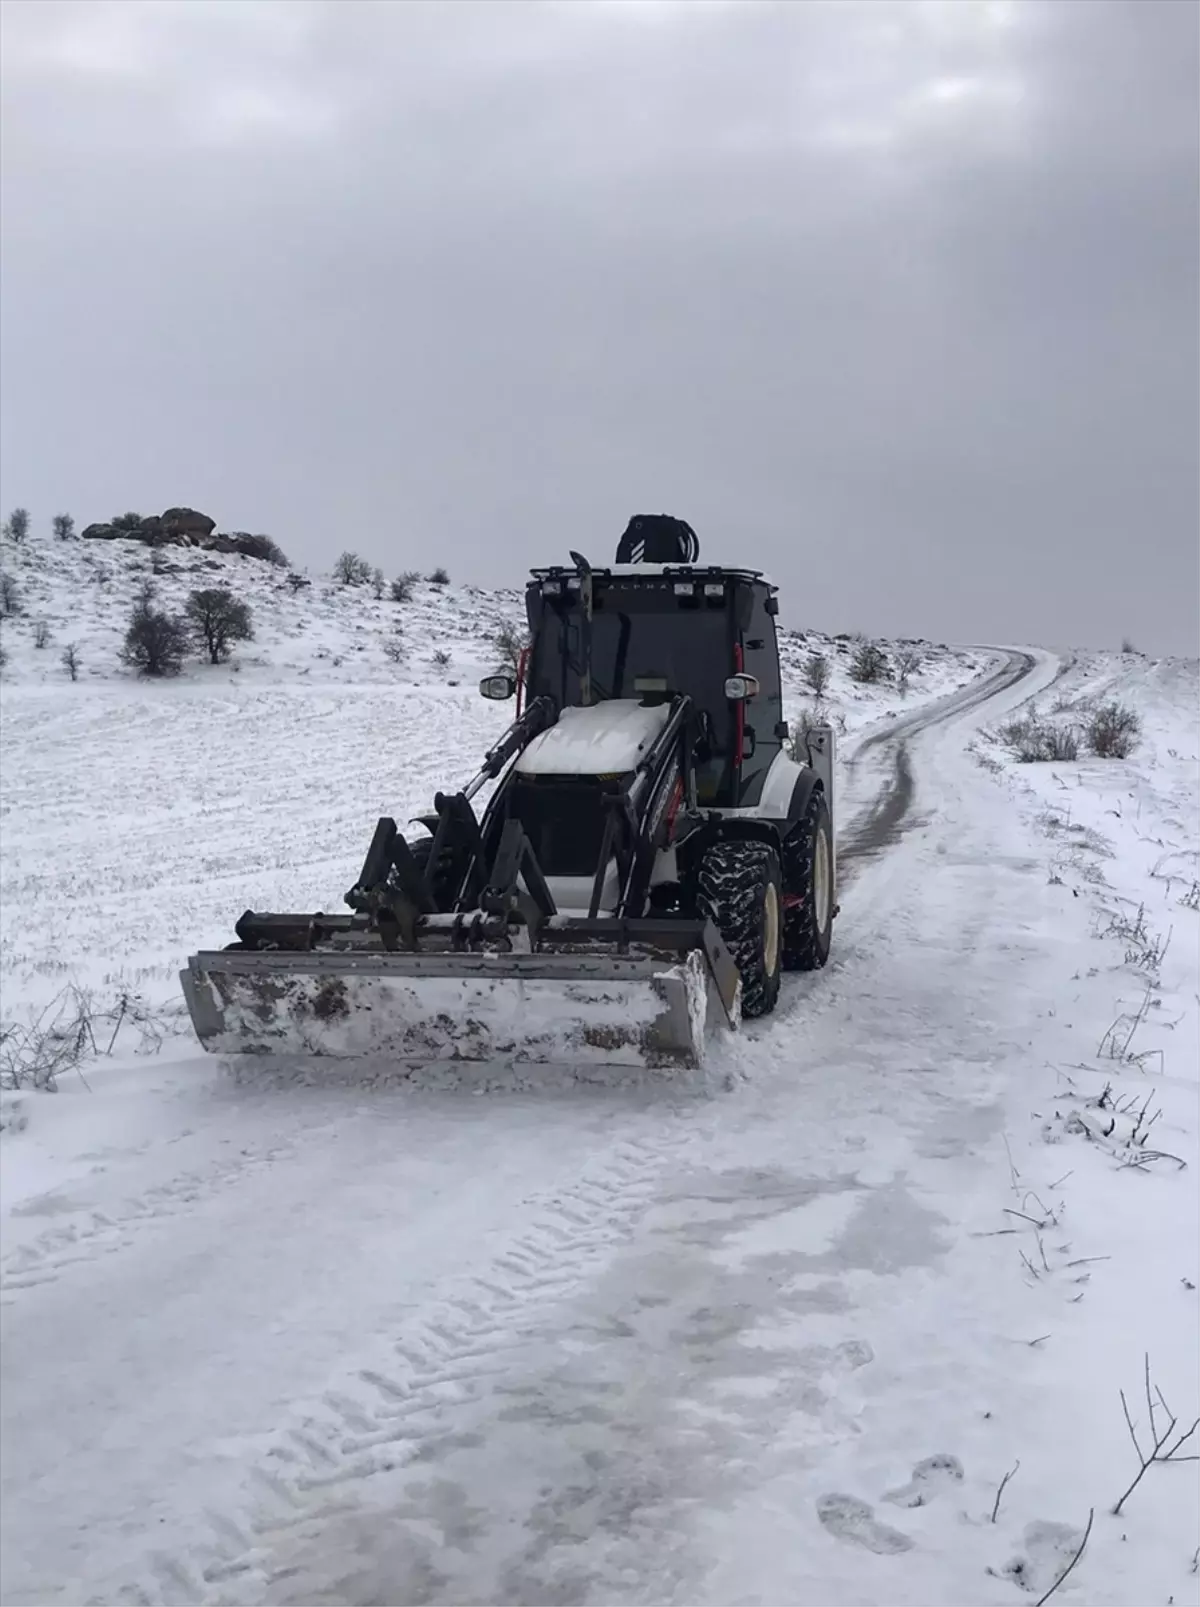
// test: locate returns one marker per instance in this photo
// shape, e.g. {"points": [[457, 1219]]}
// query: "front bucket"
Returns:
{"points": [[627, 1010]]}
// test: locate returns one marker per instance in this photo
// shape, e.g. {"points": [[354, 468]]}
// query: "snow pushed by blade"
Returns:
{"points": [[638, 1014]]}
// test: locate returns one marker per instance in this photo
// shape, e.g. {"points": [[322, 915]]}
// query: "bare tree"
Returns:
{"points": [[217, 619], [869, 664], [155, 642], [17, 524], [351, 570], [64, 526], [439, 577], [10, 596], [377, 583], [510, 643], [70, 660], [404, 585], [127, 522], [816, 673]]}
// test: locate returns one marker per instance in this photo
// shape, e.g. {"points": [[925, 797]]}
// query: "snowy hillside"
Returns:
{"points": [[312, 628], [83, 592], [140, 818]]}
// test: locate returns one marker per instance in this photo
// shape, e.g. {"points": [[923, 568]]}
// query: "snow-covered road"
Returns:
{"points": [[598, 1344]]}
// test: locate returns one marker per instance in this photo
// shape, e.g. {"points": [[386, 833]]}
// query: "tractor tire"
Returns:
{"points": [[740, 890], [809, 889]]}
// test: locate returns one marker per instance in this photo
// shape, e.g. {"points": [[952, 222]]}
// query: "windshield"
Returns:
{"points": [[688, 649]]}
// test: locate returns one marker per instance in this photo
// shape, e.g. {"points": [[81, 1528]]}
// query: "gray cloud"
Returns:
{"points": [[899, 301]]}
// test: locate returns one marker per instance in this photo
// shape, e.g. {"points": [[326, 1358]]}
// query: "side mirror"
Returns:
{"points": [[498, 687], [741, 688]]}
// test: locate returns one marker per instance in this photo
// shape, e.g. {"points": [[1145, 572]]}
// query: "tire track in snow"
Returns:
{"points": [[109, 1231], [378, 1417]]}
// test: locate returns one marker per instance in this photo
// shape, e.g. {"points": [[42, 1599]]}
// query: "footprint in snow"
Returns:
{"points": [[930, 1478], [847, 1518], [1049, 1548]]}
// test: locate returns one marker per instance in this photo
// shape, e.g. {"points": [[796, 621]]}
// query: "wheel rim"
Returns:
{"points": [[771, 930], [821, 880]]}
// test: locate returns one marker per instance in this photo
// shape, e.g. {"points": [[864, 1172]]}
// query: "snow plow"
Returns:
{"points": [[653, 855]]}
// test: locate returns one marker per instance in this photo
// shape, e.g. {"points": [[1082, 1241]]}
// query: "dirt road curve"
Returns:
{"points": [[885, 819]]}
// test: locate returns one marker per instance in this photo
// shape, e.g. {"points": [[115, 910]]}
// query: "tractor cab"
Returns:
{"points": [[647, 634]]}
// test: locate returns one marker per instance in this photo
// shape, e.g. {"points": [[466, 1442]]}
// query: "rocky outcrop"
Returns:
{"points": [[187, 527], [178, 523]]}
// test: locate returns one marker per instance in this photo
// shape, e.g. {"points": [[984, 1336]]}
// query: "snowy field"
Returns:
{"points": [[782, 1339]]}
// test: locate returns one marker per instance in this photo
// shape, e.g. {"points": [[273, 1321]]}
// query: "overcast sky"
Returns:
{"points": [[899, 301]]}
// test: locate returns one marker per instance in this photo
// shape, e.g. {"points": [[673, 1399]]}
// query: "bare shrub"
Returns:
{"points": [[351, 570], [127, 522], [1035, 740], [3, 655], [1112, 731], [816, 673], [217, 619], [41, 634], [155, 641], [439, 577], [908, 663], [1127, 646], [510, 643], [10, 596], [16, 526], [70, 1030], [297, 582], [395, 650], [441, 659], [869, 664], [264, 547], [64, 526], [69, 659], [377, 583], [404, 586]]}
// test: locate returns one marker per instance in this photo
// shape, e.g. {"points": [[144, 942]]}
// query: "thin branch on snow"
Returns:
{"points": [[1014, 1175], [1029, 1264], [1000, 1491], [1164, 1450], [1086, 1533]]}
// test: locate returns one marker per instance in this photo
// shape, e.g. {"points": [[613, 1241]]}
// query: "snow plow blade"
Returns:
{"points": [[595, 992]]}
